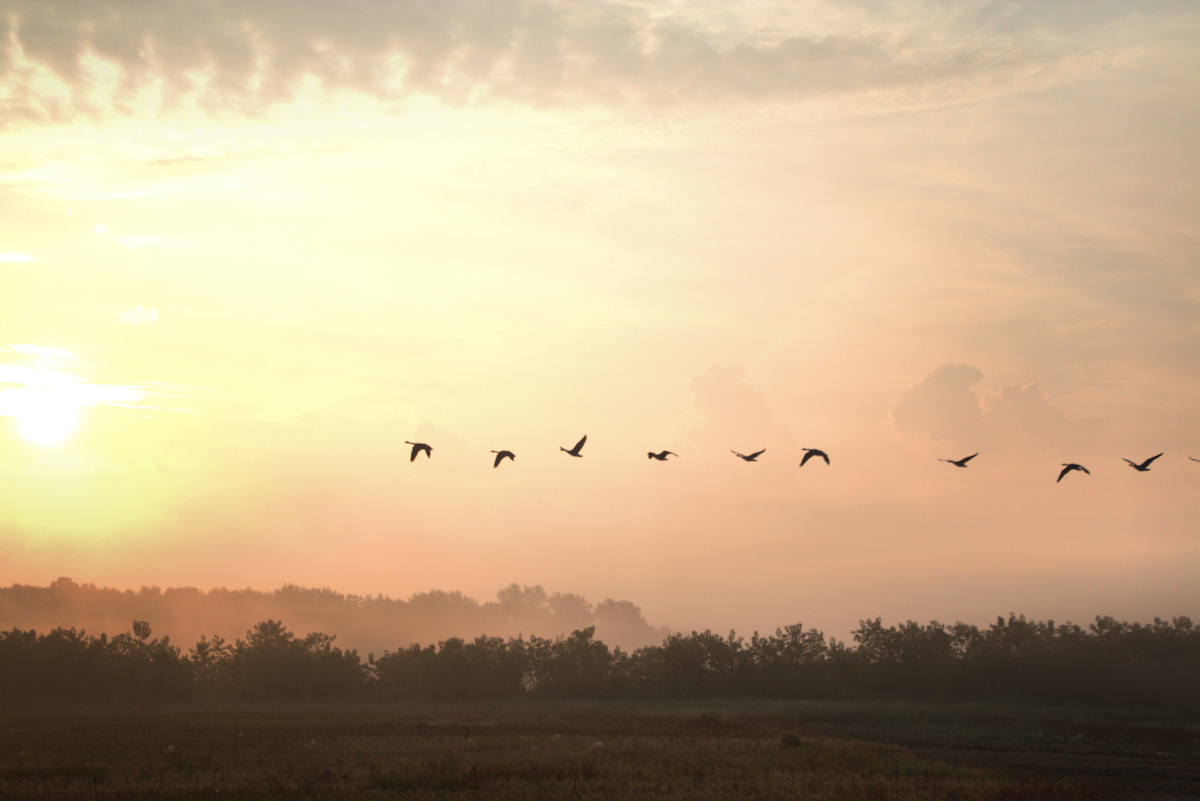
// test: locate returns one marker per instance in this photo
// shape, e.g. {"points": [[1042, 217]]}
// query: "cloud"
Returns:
{"points": [[140, 315], [1023, 414], [230, 56], [25, 388], [31, 388], [148, 241], [944, 406], [736, 415], [16, 257], [43, 352]]}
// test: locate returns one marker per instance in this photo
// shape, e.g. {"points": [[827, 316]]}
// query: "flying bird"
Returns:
{"points": [[578, 447], [1194, 459], [417, 448], [751, 457], [501, 455], [1144, 466], [811, 452], [960, 462], [1067, 468], [662, 457]]}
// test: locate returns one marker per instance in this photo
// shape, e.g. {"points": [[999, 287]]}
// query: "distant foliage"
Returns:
{"points": [[366, 623], [68, 664], [1110, 662]]}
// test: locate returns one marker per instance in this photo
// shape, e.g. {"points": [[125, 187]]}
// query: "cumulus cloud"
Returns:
{"points": [[944, 405], [229, 56], [736, 414], [1022, 413]]}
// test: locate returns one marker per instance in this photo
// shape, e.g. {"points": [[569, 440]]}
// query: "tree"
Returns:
{"points": [[576, 666], [525, 609]]}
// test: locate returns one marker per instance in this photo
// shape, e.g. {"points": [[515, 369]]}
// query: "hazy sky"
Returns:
{"points": [[249, 249]]}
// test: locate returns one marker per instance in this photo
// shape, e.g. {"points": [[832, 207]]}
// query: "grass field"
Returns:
{"points": [[548, 750]]}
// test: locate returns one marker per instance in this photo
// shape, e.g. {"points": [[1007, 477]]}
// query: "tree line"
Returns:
{"points": [[1110, 662], [366, 623]]}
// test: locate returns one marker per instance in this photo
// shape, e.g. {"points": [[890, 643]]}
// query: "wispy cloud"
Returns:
{"points": [[32, 387], [63, 58], [140, 315], [26, 387], [149, 241], [41, 351]]}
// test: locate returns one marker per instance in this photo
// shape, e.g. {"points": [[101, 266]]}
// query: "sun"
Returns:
{"points": [[44, 419]]}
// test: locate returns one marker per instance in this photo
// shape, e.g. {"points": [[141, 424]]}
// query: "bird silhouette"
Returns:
{"points": [[1194, 459], [1144, 466], [751, 457], [417, 448], [811, 452], [578, 447], [662, 457], [960, 462], [1067, 468], [501, 455]]}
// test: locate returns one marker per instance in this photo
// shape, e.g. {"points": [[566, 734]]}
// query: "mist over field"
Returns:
{"points": [[365, 624]]}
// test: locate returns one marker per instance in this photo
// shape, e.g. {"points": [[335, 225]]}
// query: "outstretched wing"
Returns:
{"points": [[579, 445], [758, 454], [966, 459], [1148, 461], [1066, 469], [811, 452]]}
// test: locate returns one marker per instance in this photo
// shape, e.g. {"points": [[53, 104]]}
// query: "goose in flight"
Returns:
{"points": [[501, 455], [960, 462], [576, 450], [1144, 466], [662, 457], [751, 457], [417, 448], [811, 452], [1067, 468]]}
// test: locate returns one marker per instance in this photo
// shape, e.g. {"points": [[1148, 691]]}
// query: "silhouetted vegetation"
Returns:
{"points": [[1110, 662], [367, 624]]}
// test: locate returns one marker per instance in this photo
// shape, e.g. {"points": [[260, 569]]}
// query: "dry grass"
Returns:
{"points": [[498, 752]]}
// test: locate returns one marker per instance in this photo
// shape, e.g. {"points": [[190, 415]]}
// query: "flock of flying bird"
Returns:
{"points": [[809, 453]]}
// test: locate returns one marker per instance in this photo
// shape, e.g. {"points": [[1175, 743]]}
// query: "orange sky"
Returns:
{"points": [[247, 251]]}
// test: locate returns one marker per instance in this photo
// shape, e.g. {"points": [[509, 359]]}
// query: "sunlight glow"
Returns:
{"points": [[44, 417], [46, 402]]}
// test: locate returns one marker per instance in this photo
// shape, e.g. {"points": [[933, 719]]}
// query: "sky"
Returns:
{"points": [[248, 250]]}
